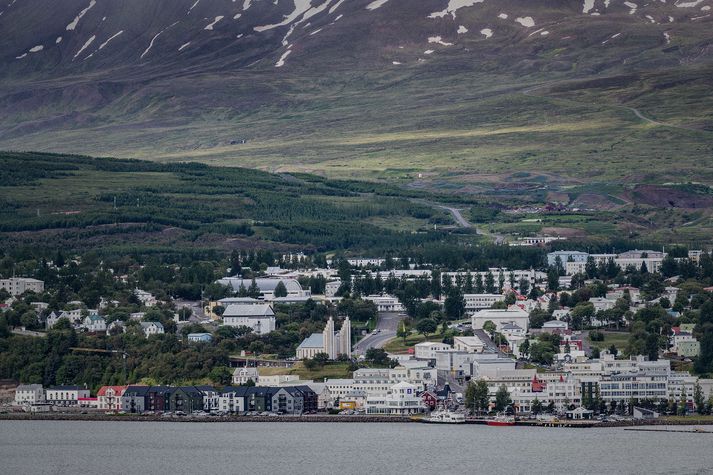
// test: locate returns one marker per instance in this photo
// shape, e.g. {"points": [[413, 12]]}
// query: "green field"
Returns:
{"points": [[618, 339]]}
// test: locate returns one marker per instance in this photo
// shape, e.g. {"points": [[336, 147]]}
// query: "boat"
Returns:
{"points": [[501, 421], [441, 416]]}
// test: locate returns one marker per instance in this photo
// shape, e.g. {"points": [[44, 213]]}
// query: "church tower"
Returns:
{"points": [[328, 338], [345, 338]]}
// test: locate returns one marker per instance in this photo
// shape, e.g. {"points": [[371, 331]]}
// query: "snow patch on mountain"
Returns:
{"points": [[487, 32], [503, 16], [36, 49], [193, 6], [281, 61], [588, 6], [154, 39], [335, 6], [525, 21], [215, 21], [73, 24], [632, 7], [303, 8], [438, 40], [376, 4], [611, 38], [692, 4], [86, 45], [462, 30], [453, 7], [184, 46]]}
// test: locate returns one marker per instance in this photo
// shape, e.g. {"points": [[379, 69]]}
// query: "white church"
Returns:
{"points": [[333, 343]]}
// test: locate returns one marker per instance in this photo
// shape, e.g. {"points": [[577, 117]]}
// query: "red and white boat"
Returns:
{"points": [[501, 421]]}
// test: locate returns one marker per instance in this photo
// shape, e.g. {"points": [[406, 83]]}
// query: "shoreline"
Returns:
{"points": [[363, 419]]}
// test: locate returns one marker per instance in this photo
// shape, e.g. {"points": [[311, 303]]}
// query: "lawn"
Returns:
{"points": [[618, 339], [398, 345], [330, 371]]}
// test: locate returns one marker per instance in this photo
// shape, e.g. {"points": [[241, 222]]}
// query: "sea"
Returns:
{"points": [[87, 447]]}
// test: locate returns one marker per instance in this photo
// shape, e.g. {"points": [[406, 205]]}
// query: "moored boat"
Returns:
{"points": [[444, 417]]}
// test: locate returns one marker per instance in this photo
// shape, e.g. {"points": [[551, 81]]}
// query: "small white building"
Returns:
{"points": [[146, 298], [555, 325], [152, 328], [241, 376], [277, 380], [28, 394], [513, 315], [427, 350], [94, 324], [469, 344], [261, 317], [385, 303]]}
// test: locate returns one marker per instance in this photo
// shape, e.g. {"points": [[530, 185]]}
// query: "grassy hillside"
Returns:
{"points": [[391, 93]]}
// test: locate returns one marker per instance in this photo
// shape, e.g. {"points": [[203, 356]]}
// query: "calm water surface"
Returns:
{"points": [[60, 447]]}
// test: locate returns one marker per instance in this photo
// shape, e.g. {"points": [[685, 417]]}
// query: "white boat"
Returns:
{"points": [[441, 416]]}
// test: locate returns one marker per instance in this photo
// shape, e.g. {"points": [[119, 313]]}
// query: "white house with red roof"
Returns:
{"points": [[109, 397]]}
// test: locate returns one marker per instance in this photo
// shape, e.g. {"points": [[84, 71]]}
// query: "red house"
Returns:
{"points": [[429, 399]]}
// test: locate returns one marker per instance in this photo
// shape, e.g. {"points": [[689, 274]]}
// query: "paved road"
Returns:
{"points": [[489, 343], [388, 323], [457, 216], [464, 223]]}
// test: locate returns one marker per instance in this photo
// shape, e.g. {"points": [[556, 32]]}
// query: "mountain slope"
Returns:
{"points": [[482, 88]]}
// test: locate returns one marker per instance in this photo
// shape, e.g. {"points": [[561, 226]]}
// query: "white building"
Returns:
{"points": [[261, 318], [339, 387], [28, 394], [555, 325], [277, 380], [66, 395], [331, 342], [427, 349], [500, 318], [241, 376], [469, 344], [94, 324], [267, 286], [152, 328], [19, 285], [475, 302], [385, 303], [146, 298], [402, 399], [331, 288], [365, 262]]}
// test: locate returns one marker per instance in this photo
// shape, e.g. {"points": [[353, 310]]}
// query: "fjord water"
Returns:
{"points": [[63, 447]]}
